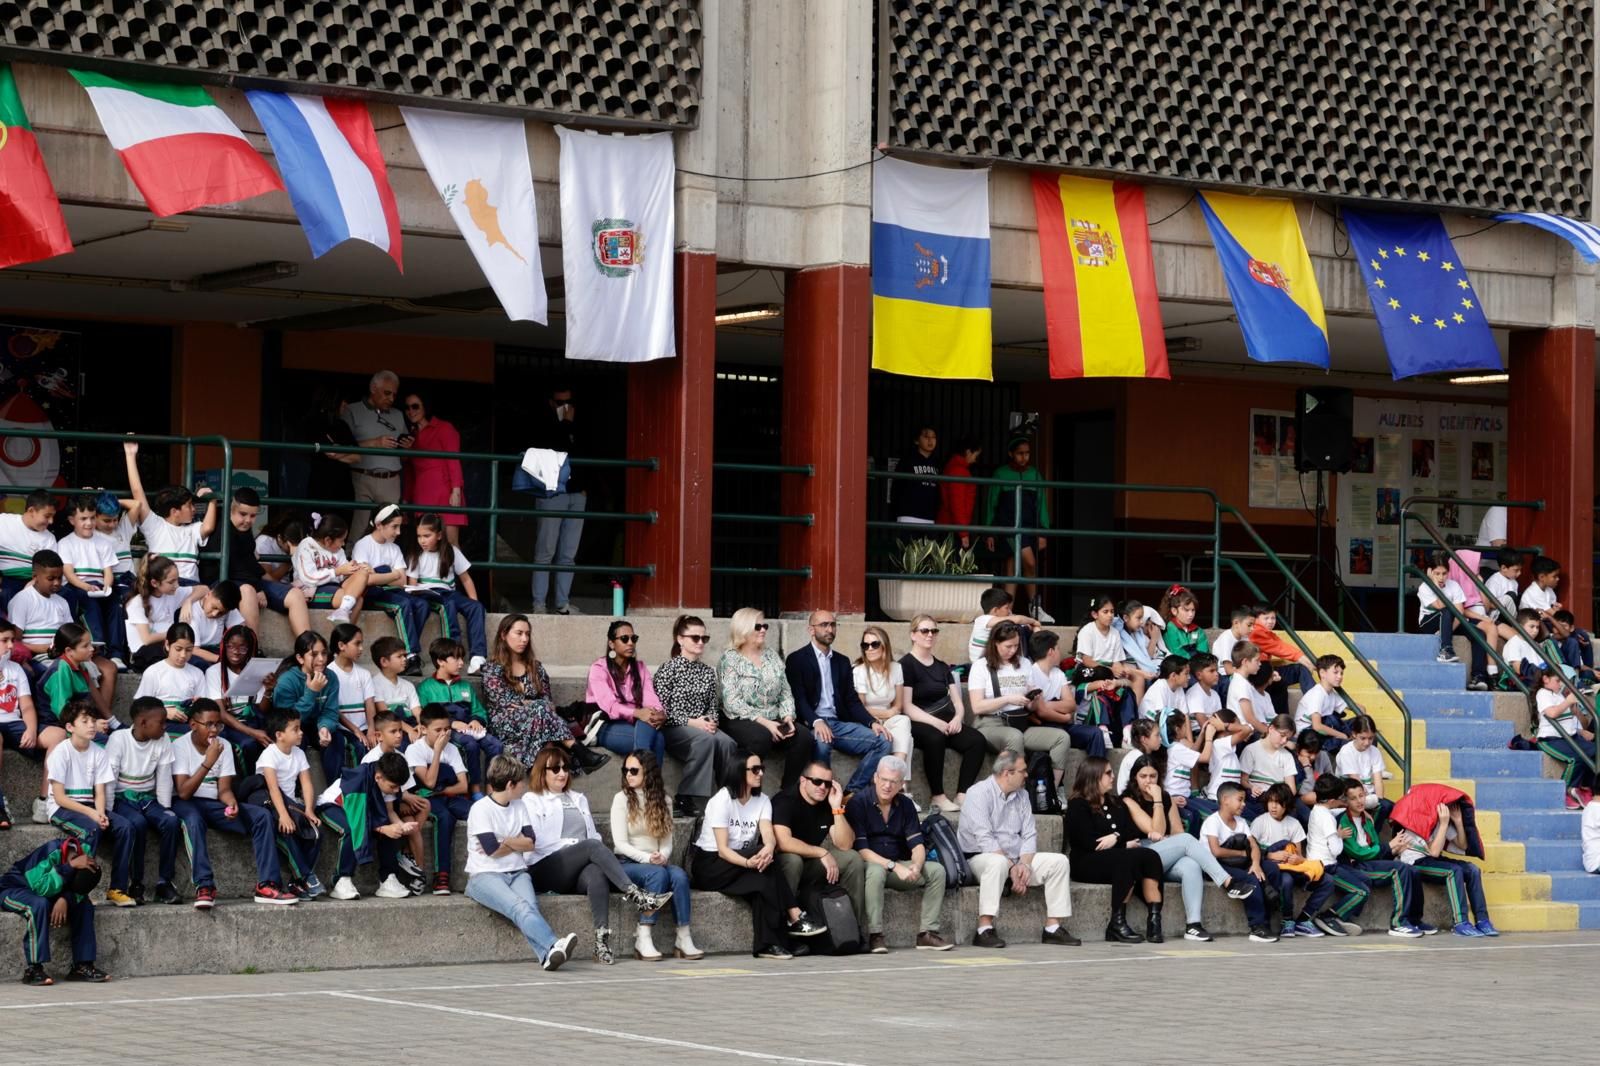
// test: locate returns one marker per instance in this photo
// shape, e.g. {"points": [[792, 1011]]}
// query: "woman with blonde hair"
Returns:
{"points": [[641, 835], [881, 684], [757, 706]]}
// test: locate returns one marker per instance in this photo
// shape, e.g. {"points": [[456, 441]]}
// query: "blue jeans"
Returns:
{"points": [[1188, 861], [624, 737], [557, 540], [653, 878], [199, 814], [148, 814], [853, 738], [512, 896]]}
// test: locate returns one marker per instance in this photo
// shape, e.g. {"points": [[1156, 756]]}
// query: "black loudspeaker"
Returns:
{"points": [[1324, 421]]}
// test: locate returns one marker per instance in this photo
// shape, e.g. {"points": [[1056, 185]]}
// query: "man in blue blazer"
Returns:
{"points": [[825, 698]]}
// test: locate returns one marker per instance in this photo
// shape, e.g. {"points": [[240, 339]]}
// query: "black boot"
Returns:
{"points": [[1152, 924], [587, 758], [1119, 931]]}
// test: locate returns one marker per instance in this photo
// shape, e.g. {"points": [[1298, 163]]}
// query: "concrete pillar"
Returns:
{"points": [[1551, 447], [670, 405], [827, 317]]}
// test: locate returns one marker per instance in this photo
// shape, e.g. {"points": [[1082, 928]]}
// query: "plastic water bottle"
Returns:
{"points": [[616, 599], [1041, 797]]}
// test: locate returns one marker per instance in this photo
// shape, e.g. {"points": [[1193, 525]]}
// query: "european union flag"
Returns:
{"points": [[1425, 306]]}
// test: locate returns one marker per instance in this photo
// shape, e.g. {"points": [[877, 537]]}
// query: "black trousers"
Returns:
{"points": [[765, 890], [798, 750], [587, 867], [933, 743], [1120, 867]]}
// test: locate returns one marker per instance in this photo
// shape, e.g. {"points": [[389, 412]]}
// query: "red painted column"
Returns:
{"points": [[670, 404], [827, 322], [1551, 453]]}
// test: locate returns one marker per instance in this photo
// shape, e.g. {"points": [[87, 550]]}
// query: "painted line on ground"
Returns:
{"points": [[1263, 954], [589, 1030]]}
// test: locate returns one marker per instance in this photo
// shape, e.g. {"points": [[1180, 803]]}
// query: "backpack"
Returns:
{"points": [[1042, 784], [940, 837], [831, 906]]}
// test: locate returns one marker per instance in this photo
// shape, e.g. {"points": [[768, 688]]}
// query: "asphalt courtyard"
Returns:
{"points": [[1368, 999]]}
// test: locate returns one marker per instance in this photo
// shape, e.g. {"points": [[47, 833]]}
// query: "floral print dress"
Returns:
{"points": [[523, 721]]}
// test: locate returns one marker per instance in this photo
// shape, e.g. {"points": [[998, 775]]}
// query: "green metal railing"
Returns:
{"points": [[806, 470], [1017, 533], [1403, 756], [1405, 544]]}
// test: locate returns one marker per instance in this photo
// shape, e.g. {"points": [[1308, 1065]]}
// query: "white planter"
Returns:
{"points": [[946, 601]]}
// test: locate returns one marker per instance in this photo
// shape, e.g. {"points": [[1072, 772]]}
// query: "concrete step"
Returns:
{"points": [[1498, 794], [1398, 647], [1501, 888], [1589, 915], [1553, 856], [1483, 764], [1430, 675], [1459, 733], [1575, 887], [153, 940], [1433, 704], [1540, 824], [1533, 917]]}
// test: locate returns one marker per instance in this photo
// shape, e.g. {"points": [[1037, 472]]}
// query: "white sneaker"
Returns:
{"points": [[559, 952], [568, 608], [41, 811], [342, 614], [476, 664], [392, 889], [1042, 616], [344, 888], [409, 867]]}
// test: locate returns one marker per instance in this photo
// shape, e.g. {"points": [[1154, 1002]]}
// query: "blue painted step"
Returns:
{"points": [[1459, 733], [1398, 647], [1403, 676], [1447, 703], [1569, 887], [1503, 765], [1550, 856], [1589, 916], [1502, 793], [1534, 823]]}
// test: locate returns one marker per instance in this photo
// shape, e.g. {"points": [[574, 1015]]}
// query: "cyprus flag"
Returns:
{"points": [[479, 164]]}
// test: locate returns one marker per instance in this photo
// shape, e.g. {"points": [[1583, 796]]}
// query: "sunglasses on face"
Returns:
{"points": [[820, 782], [698, 638], [626, 638], [755, 769], [761, 627], [872, 643], [555, 769], [633, 771], [928, 632]]}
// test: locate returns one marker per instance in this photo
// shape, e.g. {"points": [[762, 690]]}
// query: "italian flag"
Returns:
{"points": [[31, 226], [180, 149]]}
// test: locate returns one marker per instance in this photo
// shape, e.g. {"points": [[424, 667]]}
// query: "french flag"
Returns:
{"points": [[328, 153]]}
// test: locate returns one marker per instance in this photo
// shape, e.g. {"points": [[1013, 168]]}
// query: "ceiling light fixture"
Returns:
{"points": [[751, 313], [1481, 379], [277, 270]]}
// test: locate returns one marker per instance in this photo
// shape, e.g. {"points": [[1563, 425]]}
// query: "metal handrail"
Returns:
{"points": [[1294, 635], [1016, 531], [801, 470], [1355, 653], [1470, 630], [1406, 515]]}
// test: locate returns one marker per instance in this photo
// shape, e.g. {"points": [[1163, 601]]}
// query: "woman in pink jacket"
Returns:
{"points": [[620, 686], [434, 483]]}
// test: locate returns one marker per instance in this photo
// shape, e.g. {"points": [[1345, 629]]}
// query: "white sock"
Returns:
{"points": [[347, 604], [984, 928], [1052, 927]]}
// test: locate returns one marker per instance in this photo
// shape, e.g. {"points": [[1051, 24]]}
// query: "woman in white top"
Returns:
{"points": [[641, 834], [567, 853], [997, 688], [881, 684], [736, 855]]}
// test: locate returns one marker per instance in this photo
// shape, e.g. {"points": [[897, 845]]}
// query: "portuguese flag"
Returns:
{"points": [[180, 149], [31, 226]]}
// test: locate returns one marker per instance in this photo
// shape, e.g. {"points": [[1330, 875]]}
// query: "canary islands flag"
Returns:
{"points": [[1101, 311], [1268, 271], [930, 271], [1426, 308]]}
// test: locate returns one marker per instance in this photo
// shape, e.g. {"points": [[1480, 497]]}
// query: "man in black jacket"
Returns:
{"points": [[825, 698]]}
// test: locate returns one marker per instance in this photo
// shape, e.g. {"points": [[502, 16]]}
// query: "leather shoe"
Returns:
{"points": [[987, 938]]}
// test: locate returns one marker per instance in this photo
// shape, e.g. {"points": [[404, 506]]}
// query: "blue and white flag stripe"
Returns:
{"points": [[1584, 236], [958, 276], [331, 165]]}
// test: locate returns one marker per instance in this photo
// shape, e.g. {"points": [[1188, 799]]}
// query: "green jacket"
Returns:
{"points": [[1352, 849], [1187, 644], [460, 692], [991, 499]]}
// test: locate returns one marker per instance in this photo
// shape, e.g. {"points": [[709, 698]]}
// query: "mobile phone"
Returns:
{"points": [[1034, 693]]}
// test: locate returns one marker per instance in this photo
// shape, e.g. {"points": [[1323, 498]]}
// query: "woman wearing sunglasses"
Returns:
{"points": [[938, 715], [641, 833], [687, 687], [567, 853], [735, 854], [619, 684], [757, 706], [882, 688]]}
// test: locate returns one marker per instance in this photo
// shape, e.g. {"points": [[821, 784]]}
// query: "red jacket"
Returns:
{"points": [[1418, 811], [1273, 646], [956, 499]]}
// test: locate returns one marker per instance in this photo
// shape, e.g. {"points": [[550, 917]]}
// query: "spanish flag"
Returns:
{"points": [[930, 271], [1268, 270], [1100, 305]]}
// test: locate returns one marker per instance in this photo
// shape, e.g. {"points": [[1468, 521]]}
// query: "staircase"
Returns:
{"points": [[1533, 879]]}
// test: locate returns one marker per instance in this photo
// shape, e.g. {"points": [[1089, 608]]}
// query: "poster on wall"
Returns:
{"points": [[1405, 448], [1274, 482], [39, 370]]}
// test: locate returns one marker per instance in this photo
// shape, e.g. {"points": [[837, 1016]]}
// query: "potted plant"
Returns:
{"points": [[948, 601]]}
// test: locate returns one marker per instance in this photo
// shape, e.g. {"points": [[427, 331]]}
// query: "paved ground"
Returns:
{"points": [[1516, 999]]}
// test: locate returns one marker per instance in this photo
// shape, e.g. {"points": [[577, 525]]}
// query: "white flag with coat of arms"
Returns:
{"points": [[479, 164], [617, 242]]}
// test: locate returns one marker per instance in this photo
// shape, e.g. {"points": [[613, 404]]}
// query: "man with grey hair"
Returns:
{"points": [[376, 424], [889, 841], [1001, 840]]}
